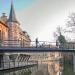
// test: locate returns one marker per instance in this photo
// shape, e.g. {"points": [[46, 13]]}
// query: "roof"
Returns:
{"points": [[12, 16], [3, 23]]}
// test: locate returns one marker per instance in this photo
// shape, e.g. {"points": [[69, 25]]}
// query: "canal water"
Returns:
{"points": [[52, 65]]}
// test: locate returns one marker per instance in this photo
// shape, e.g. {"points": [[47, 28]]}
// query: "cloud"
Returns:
{"points": [[42, 17]]}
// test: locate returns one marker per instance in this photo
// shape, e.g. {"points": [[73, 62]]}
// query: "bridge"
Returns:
{"points": [[8, 49], [41, 46], [20, 59]]}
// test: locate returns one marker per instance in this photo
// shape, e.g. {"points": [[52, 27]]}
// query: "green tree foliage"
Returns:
{"points": [[61, 39]]}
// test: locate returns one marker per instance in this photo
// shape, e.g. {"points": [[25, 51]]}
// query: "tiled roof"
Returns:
{"points": [[3, 23]]}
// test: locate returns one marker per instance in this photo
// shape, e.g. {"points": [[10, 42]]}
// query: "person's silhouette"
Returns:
{"points": [[37, 42]]}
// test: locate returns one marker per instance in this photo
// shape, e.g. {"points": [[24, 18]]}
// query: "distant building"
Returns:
{"points": [[25, 39]]}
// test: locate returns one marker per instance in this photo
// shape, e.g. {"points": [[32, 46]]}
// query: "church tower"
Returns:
{"points": [[13, 24], [15, 32], [12, 16]]}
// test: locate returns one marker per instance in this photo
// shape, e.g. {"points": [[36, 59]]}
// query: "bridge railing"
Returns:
{"points": [[14, 64], [19, 43], [29, 44]]}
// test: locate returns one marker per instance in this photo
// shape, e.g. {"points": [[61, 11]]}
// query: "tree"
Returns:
{"points": [[60, 39], [70, 27], [71, 21]]}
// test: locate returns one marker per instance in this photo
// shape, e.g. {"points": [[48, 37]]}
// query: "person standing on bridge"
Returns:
{"points": [[36, 42], [57, 43]]}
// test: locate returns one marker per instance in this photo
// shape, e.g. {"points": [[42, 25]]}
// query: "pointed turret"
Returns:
{"points": [[12, 16]]}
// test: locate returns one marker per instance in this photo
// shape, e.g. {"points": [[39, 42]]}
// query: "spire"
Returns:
{"points": [[12, 16]]}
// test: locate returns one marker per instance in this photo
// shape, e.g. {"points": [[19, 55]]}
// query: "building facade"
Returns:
{"points": [[16, 37], [3, 34], [12, 35]]}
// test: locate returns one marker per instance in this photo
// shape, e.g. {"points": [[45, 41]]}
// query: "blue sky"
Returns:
{"points": [[18, 4], [40, 18]]}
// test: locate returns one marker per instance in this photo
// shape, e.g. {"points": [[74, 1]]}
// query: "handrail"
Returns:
{"points": [[33, 44]]}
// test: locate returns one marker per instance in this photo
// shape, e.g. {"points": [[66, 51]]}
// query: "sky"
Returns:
{"points": [[40, 18]]}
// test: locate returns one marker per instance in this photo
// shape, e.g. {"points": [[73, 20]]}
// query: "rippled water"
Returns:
{"points": [[62, 66]]}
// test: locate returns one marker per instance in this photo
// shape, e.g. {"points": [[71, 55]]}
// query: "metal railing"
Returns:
{"points": [[15, 64], [29, 44]]}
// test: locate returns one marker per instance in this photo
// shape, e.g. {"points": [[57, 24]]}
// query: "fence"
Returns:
{"points": [[47, 44], [16, 64]]}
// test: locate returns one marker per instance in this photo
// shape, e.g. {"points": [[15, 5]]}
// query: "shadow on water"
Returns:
{"points": [[18, 72]]}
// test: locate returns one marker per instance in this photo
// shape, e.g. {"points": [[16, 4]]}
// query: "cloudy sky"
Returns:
{"points": [[40, 17]]}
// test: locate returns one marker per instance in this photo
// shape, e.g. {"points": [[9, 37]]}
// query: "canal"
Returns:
{"points": [[52, 64]]}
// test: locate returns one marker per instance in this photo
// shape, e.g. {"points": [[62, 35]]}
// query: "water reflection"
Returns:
{"points": [[55, 63], [61, 63], [19, 72]]}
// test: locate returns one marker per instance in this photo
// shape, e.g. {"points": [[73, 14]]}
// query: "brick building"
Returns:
{"points": [[16, 36], [3, 33]]}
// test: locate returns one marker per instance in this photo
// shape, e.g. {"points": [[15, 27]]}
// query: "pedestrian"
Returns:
{"points": [[37, 42]]}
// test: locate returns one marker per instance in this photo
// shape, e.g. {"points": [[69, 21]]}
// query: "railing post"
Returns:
{"points": [[73, 45], [18, 63], [14, 63], [68, 45], [0, 43], [9, 64], [49, 46], [3, 64]]}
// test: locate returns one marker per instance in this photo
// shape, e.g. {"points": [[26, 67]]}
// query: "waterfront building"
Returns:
{"points": [[25, 39], [3, 38], [15, 31], [12, 35], [15, 34], [14, 27]]}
